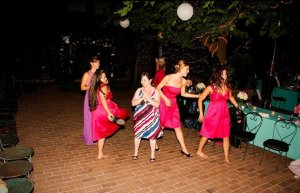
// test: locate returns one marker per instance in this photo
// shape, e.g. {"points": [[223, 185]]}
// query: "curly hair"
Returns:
{"points": [[216, 78], [95, 87]]}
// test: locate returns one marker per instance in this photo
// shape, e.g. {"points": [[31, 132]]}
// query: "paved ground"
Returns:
{"points": [[50, 121]]}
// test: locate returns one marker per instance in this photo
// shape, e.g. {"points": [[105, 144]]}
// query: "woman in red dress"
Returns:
{"points": [[160, 70], [104, 111], [216, 123]]}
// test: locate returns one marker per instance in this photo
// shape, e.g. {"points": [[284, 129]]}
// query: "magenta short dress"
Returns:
{"points": [[101, 126], [216, 123]]}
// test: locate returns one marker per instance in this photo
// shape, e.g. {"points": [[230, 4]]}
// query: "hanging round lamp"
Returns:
{"points": [[185, 11], [124, 23]]}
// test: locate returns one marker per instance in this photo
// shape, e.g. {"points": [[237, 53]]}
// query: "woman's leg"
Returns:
{"points": [[180, 139], [136, 146], [202, 142], [295, 168], [152, 147], [100, 148], [156, 146], [226, 146]]}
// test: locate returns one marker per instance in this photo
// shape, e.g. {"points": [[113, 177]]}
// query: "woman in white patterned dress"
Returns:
{"points": [[146, 115]]}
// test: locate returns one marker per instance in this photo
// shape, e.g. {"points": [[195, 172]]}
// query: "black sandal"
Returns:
{"points": [[157, 149], [186, 154], [135, 157], [152, 160]]}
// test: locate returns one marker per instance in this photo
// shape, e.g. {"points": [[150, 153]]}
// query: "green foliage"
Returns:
{"points": [[212, 18]]}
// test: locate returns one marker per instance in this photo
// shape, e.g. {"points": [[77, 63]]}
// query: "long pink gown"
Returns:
{"points": [[87, 131], [216, 123], [101, 126], [169, 116]]}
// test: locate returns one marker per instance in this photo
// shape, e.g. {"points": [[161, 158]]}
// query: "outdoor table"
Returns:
{"points": [[291, 96], [266, 130]]}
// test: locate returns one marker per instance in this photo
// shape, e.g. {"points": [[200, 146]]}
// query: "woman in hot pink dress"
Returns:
{"points": [[170, 86], [216, 123], [104, 110]]}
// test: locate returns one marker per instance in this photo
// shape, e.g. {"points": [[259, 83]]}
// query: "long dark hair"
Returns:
{"points": [[95, 86], [216, 78]]}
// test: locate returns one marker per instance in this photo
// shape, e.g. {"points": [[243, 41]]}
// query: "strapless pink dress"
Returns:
{"points": [[169, 116]]}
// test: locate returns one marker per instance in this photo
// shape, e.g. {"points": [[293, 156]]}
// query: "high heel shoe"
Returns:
{"points": [[185, 154]]}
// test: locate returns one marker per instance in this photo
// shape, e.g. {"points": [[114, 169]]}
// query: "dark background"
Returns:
{"points": [[32, 47]]}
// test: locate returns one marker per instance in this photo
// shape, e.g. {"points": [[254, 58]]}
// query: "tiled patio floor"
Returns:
{"points": [[50, 121]]}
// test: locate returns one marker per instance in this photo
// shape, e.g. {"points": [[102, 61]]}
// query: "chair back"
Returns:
{"points": [[253, 122], [237, 119], [284, 130]]}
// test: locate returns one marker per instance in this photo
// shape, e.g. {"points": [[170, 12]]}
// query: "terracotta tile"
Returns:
{"points": [[52, 125]]}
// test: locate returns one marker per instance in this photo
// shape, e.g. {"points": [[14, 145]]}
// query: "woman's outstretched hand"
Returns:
{"points": [[200, 119]]}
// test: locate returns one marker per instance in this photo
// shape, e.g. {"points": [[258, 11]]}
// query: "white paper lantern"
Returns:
{"points": [[185, 11], [124, 23], [66, 39]]}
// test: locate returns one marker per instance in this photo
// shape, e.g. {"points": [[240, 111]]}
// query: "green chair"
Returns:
{"points": [[279, 100], [19, 185], [8, 140], [248, 133], [15, 169], [284, 132], [10, 152]]}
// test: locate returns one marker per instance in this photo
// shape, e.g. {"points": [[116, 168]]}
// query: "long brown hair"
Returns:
{"points": [[216, 78], [95, 87]]}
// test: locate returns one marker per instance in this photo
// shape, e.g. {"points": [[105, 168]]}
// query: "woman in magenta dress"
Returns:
{"points": [[103, 110], [85, 86], [216, 123], [169, 88]]}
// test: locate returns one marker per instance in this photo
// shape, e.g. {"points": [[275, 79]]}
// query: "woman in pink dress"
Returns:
{"points": [[104, 111], [216, 123], [170, 86], [85, 86]]}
